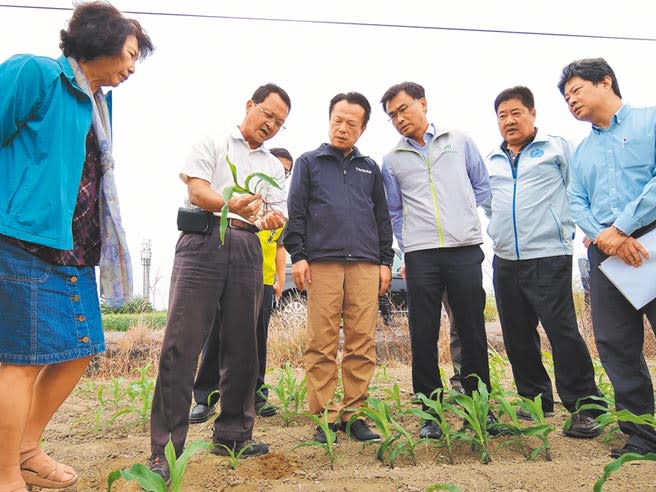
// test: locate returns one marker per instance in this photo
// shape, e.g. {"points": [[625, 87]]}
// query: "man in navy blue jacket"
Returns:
{"points": [[339, 236]]}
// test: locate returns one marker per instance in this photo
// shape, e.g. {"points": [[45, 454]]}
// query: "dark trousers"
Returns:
{"points": [[619, 333], [429, 272], [540, 289], [207, 381], [210, 284]]}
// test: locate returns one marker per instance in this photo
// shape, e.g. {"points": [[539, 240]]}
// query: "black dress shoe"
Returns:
{"points": [[264, 409], [628, 448], [430, 430], [583, 426], [320, 436], [361, 431], [158, 464], [201, 413], [252, 448]]}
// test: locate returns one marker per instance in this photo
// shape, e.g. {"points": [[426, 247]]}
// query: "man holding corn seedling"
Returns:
{"points": [[434, 179], [339, 237], [612, 197], [217, 277], [206, 384], [532, 234]]}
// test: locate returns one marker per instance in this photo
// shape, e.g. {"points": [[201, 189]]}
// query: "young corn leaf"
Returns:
{"points": [[262, 177], [616, 464], [227, 194], [178, 466], [449, 487], [140, 473]]}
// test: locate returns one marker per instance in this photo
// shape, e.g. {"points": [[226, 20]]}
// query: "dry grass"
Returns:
{"points": [[128, 351]]}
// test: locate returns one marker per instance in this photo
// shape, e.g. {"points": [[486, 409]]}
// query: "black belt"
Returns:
{"points": [[244, 226]]}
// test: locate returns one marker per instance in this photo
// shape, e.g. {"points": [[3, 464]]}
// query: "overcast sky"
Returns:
{"points": [[204, 70]]}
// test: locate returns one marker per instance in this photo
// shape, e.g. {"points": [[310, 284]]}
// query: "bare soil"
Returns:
{"points": [[576, 464]]}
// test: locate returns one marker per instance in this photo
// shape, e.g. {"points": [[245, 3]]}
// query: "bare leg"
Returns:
{"points": [[17, 381], [52, 386]]}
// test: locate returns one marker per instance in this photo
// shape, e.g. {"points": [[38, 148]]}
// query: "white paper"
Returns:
{"points": [[638, 285]]}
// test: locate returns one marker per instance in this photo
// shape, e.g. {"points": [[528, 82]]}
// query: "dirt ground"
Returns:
{"points": [[576, 464]]}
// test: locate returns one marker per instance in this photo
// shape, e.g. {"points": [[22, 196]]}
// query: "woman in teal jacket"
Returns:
{"points": [[59, 218]]}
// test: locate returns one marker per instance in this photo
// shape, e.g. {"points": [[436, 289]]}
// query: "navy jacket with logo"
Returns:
{"points": [[337, 209]]}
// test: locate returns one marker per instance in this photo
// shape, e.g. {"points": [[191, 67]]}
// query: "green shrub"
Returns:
{"points": [[136, 305], [123, 321]]}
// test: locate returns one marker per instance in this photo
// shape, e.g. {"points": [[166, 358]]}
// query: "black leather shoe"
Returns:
{"points": [[430, 430], [320, 436], [361, 431], [252, 448], [492, 427], [583, 426], [201, 413], [158, 464], [628, 448], [264, 409], [525, 415]]}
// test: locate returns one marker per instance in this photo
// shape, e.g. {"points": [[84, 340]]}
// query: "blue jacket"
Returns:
{"points": [[529, 214], [44, 121], [337, 209]]}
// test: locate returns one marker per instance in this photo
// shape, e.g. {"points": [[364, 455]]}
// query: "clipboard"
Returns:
{"points": [[638, 285]]}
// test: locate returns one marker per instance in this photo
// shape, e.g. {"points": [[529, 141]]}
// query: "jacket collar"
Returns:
{"points": [[437, 133], [540, 137], [327, 150]]}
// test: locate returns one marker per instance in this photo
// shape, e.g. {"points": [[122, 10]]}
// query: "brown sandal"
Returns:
{"points": [[17, 486], [37, 468]]}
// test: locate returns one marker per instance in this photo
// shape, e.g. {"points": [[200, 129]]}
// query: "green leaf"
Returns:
{"points": [[179, 466], [615, 465], [223, 224], [147, 479], [449, 487], [263, 177], [111, 478], [233, 168]]}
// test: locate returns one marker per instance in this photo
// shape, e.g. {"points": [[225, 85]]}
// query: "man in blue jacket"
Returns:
{"points": [[532, 234], [612, 197], [339, 237]]}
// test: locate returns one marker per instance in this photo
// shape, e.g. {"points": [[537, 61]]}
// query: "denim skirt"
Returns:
{"points": [[48, 313]]}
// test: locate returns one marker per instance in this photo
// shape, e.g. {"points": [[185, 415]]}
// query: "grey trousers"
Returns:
{"points": [[210, 280]]}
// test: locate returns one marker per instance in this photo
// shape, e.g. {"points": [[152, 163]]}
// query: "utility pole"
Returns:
{"points": [[146, 255]]}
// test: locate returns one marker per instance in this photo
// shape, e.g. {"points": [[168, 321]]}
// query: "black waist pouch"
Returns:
{"points": [[196, 221]]}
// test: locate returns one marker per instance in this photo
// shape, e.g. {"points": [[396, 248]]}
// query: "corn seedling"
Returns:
{"points": [[151, 481], [449, 487], [514, 427], [541, 429], [395, 440], [437, 408], [497, 370], [229, 191], [331, 438], [393, 395], [616, 464], [474, 410], [134, 397], [233, 458], [291, 394]]}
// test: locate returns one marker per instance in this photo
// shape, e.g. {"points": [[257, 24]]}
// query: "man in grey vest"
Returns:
{"points": [[434, 179]]}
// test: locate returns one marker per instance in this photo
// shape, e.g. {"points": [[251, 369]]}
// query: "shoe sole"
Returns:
{"points": [[32, 479], [267, 413], [582, 435], [199, 420]]}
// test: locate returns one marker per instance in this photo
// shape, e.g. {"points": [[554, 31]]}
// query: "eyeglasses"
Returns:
{"points": [[394, 115], [272, 119]]}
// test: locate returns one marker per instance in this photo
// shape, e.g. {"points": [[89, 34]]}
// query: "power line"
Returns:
{"points": [[355, 24]]}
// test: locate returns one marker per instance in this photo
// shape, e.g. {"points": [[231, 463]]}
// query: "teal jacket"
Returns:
{"points": [[44, 120]]}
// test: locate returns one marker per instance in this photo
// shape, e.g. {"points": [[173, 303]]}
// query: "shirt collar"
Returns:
{"points": [[617, 118], [237, 135]]}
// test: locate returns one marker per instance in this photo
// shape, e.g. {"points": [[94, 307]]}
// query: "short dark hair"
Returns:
{"points": [[352, 98], [279, 152], [99, 29], [263, 91], [413, 89], [591, 69], [520, 92]]}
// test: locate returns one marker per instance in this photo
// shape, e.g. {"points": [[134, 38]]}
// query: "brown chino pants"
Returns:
{"points": [[210, 280], [350, 288]]}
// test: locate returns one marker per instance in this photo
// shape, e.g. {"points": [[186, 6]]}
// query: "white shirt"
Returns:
{"points": [[207, 161]]}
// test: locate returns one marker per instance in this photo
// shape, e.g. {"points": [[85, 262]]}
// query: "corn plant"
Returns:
{"points": [[393, 395], [437, 408], [233, 458], [541, 429], [331, 438], [150, 481], [497, 370], [395, 440], [602, 381], [474, 410], [229, 191], [514, 427], [291, 394], [121, 398], [449, 487], [616, 464]]}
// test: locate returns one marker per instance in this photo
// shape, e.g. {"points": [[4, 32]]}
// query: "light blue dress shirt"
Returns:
{"points": [[613, 174]]}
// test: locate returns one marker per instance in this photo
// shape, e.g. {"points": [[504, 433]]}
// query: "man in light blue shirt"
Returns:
{"points": [[612, 195]]}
